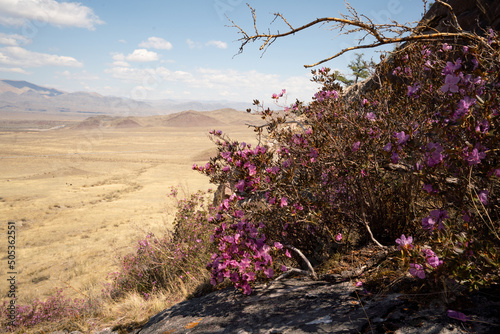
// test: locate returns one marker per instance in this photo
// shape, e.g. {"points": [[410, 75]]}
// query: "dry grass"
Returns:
{"points": [[82, 198]]}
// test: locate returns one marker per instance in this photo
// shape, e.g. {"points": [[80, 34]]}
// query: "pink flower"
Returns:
{"points": [[474, 157], [338, 237], [412, 90], [404, 243], [359, 283], [452, 67], [450, 83], [428, 188], [447, 47], [246, 289], [463, 107], [483, 196], [269, 272], [371, 116], [457, 315], [416, 270], [283, 268], [278, 245], [287, 253], [355, 146], [240, 186], [283, 202], [434, 155], [252, 170], [402, 137]]}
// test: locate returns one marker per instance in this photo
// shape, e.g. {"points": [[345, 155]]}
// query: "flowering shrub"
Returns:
{"points": [[57, 308], [160, 262], [417, 154]]}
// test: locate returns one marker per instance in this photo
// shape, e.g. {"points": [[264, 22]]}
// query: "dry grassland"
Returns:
{"points": [[82, 198]]}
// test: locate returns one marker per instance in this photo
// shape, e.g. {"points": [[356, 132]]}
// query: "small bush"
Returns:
{"points": [[55, 310], [172, 261]]}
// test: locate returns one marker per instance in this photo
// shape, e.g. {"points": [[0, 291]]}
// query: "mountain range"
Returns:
{"points": [[24, 97]]}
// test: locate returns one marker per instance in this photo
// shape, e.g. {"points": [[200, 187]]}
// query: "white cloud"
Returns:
{"points": [[13, 39], [142, 55], [60, 14], [218, 44], [122, 41], [119, 60], [197, 45], [192, 44], [13, 70], [18, 56], [81, 76], [156, 43]]}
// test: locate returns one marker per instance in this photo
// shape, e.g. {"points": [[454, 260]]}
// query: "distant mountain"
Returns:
{"points": [[17, 97], [24, 86], [184, 119]]}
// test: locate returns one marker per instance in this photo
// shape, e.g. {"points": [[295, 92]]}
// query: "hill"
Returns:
{"points": [[24, 99]]}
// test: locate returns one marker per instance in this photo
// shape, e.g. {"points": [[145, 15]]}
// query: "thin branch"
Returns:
{"points": [[311, 269], [355, 23], [452, 13], [268, 124]]}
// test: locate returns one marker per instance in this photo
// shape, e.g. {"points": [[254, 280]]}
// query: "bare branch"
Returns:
{"points": [[452, 13], [348, 24], [302, 256]]}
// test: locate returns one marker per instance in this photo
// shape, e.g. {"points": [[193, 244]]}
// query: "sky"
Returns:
{"points": [[162, 49]]}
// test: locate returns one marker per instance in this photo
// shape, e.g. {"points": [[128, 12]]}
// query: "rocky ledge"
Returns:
{"points": [[302, 305]]}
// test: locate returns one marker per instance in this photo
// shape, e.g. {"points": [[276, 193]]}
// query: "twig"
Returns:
{"points": [[311, 269], [268, 124]]}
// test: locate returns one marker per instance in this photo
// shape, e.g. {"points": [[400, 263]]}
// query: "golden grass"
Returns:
{"points": [[82, 198]]}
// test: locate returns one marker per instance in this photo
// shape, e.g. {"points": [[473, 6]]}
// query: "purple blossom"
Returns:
{"points": [[483, 127], [447, 47], [428, 188], [436, 217], [402, 137], [404, 243], [452, 67], [416, 270], [450, 83], [395, 157], [412, 90], [483, 196], [457, 315], [463, 107], [283, 202], [434, 155], [252, 170], [240, 186], [269, 272], [474, 157], [387, 147], [371, 116], [355, 146]]}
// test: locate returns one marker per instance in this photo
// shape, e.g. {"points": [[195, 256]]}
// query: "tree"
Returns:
{"points": [[360, 67], [340, 77]]}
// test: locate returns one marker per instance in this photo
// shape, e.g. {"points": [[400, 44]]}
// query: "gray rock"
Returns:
{"points": [[298, 306]]}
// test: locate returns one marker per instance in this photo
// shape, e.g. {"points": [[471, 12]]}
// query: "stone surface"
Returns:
{"points": [[306, 306]]}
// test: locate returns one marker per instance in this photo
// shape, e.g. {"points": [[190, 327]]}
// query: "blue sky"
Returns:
{"points": [[161, 49]]}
